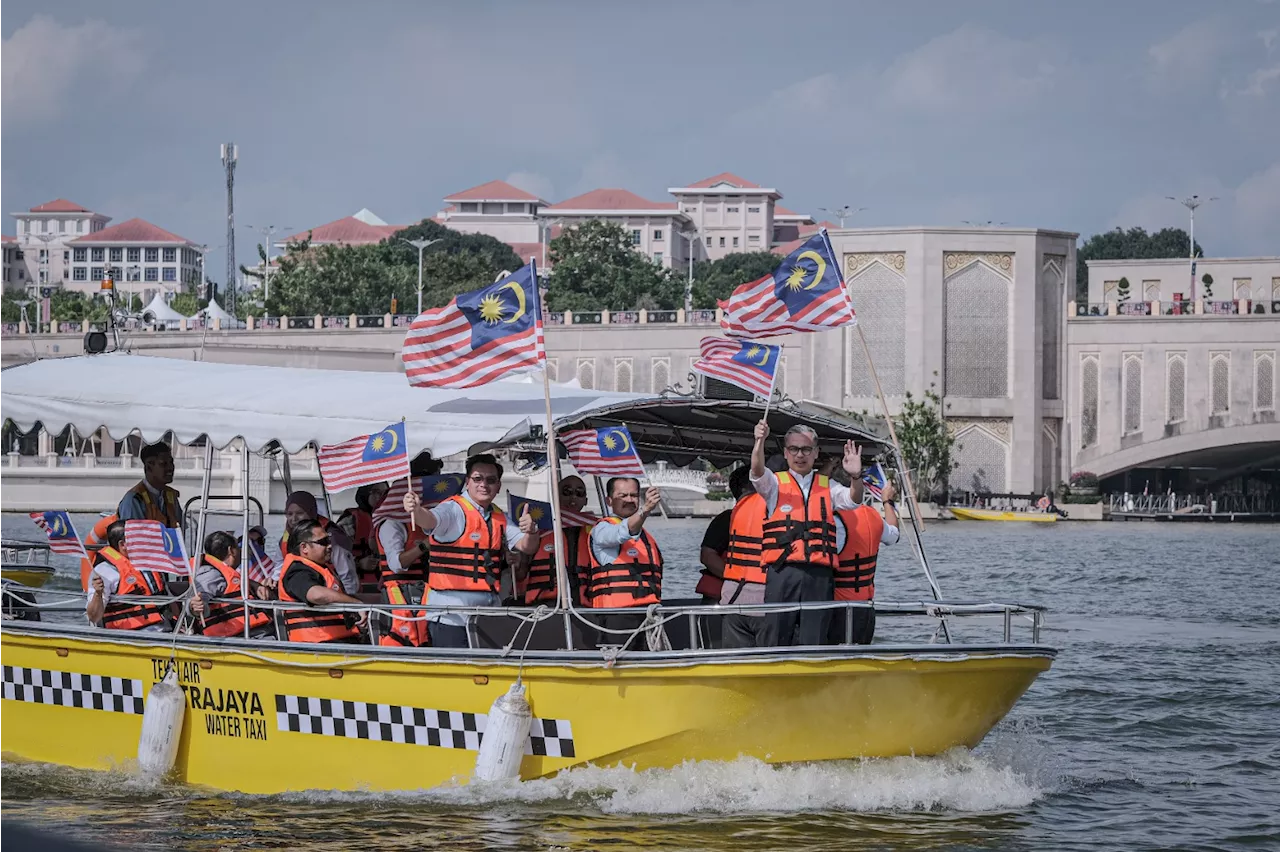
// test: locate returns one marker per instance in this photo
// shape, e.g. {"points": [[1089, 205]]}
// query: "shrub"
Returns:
{"points": [[1084, 479]]}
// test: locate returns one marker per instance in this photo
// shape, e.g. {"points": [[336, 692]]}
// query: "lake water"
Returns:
{"points": [[1158, 727]]}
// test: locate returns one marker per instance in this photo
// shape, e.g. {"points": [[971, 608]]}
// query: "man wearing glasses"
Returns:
{"points": [[468, 551], [800, 533], [308, 576], [540, 587]]}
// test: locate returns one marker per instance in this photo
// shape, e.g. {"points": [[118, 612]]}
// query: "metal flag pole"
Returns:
{"points": [[246, 546], [773, 382], [408, 470]]}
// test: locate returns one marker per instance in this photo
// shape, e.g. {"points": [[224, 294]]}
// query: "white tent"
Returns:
{"points": [[152, 395], [160, 310], [213, 311]]}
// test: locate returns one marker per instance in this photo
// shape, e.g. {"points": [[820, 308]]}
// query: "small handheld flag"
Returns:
{"points": [[540, 512], [805, 293], [365, 459], [607, 451], [155, 547], [478, 337], [262, 568], [437, 489], [571, 519], [749, 365], [61, 532], [432, 489], [874, 480]]}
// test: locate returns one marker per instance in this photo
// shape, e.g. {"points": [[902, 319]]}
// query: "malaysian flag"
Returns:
{"points": [[365, 460], [604, 452], [570, 519], [478, 337], [874, 480], [432, 489], [540, 512], [805, 293], [155, 547], [749, 365], [61, 532], [261, 568]]}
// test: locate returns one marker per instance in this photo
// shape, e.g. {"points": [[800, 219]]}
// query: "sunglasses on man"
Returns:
{"points": [[320, 542]]}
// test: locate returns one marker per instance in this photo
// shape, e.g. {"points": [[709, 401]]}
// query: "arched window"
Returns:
{"points": [[977, 333], [553, 369], [1151, 291], [587, 372], [1220, 382], [1051, 301], [661, 374], [879, 296], [1244, 288], [982, 462], [1132, 394], [1175, 392], [1264, 381], [1049, 455], [622, 376], [1088, 400]]}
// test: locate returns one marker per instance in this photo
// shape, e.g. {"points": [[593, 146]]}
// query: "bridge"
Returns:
{"points": [[1152, 391]]}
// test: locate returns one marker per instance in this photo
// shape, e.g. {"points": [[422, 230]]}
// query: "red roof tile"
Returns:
{"points": [[133, 231], [60, 205], [725, 177], [611, 199], [494, 190], [347, 231], [527, 250], [5, 238]]}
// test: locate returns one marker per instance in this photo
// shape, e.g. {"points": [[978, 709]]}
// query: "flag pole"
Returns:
{"points": [[563, 598], [408, 478], [773, 383]]}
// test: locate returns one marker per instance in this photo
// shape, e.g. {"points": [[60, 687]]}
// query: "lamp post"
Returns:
{"points": [[43, 276], [267, 231], [133, 273], [692, 237], [544, 234], [421, 246], [843, 212], [1191, 204]]}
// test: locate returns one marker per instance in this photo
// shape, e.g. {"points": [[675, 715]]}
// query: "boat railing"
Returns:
{"points": [[23, 553], [694, 618]]}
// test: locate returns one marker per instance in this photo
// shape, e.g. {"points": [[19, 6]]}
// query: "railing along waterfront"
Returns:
{"points": [[1173, 308], [320, 322], [1192, 504]]}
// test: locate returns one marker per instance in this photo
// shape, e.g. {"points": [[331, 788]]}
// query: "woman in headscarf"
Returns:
{"points": [[357, 523], [302, 506]]}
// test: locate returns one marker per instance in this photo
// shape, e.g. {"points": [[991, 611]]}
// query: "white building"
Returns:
{"points": [[44, 232], [1256, 279], [140, 256], [730, 214], [502, 211], [656, 227]]}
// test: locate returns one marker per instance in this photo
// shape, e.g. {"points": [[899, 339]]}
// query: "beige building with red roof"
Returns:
{"points": [[41, 253], [359, 229], [143, 257], [656, 226]]}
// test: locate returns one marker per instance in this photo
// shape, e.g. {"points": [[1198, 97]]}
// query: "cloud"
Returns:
{"points": [[44, 59], [1256, 203], [1268, 37], [1189, 57], [539, 185], [1260, 80]]}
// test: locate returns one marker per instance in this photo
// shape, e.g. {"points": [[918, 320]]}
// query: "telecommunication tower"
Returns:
{"points": [[229, 164]]}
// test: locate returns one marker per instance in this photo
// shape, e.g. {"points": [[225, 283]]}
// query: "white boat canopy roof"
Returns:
{"points": [[295, 407]]}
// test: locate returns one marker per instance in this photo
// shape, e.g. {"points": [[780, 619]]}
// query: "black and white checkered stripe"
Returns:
{"points": [[393, 723], [72, 689]]}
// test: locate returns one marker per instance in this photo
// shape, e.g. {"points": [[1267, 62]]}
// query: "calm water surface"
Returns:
{"points": [[1158, 727]]}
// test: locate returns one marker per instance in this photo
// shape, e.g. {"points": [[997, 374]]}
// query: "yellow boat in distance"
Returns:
{"points": [[970, 514], [25, 563], [263, 716]]}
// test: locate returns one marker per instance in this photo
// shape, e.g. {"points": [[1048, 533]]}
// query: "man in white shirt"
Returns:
{"points": [[801, 535], [104, 584], [473, 515]]}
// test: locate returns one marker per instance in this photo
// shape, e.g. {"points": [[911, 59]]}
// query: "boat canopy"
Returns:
{"points": [[681, 429], [292, 406]]}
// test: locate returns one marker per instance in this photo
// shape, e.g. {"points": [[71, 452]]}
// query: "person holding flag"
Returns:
{"points": [[218, 576], [114, 575], [467, 551], [540, 585], [626, 563]]}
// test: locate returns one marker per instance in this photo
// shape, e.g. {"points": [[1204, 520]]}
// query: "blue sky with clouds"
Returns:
{"points": [[1078, 116]]}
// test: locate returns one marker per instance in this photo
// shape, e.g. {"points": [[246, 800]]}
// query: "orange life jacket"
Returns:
{"points": [[742, 561], [227, 619], [855, 573], [633, 579], [96, 539], [398, 586], [540, 586], [310, 625], [131, 616], [364, 543], [801, 530], [168, 514], [284, 539], [475, 562]]}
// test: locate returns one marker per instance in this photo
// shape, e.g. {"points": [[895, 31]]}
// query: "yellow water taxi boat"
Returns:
{"points": [[269, 716], [968, 514], [25, 563]]}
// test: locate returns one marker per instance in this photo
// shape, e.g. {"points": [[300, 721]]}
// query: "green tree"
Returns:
{"points": [[9, 309], [1122, 290], [1132, 244], [716, 279], [1207, 281], [927, 444], [597, 268]]}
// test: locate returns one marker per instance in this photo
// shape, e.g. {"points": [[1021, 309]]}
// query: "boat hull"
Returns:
{"points": [[967, 514], [268, 717], [32, 576]]}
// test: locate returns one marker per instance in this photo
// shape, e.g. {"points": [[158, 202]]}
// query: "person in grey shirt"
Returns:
{"points": [[448, 522]]}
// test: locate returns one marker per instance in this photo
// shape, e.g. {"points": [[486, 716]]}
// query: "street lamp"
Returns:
{"points": [[267, 231], [133, 273], [842, 213], [1191, 204], [43, 275], [421, 246], [544, 234], [692, 237]]}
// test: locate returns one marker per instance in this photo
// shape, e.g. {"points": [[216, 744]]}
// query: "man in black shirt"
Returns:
{"points": [[715, 542]]}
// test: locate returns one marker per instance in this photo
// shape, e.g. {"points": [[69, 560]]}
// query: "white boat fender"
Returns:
{"points": [[161, 726], [505, 734]]}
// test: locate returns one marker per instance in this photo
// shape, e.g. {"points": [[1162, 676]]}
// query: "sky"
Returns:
{"points": [[1078, 116]]}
